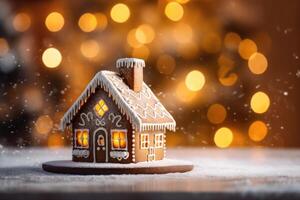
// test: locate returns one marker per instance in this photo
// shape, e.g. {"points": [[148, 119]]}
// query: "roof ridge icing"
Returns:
{"points": [[109, 81]]}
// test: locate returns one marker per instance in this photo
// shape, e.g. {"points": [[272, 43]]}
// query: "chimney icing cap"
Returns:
{"points": [[130, 62]]}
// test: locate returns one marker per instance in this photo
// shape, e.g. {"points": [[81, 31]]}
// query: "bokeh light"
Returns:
{"points": [[120, 13], [232, 40], [260, 102], [142, 52], [165, 64], [174, 11], [55, 140], [101, 21], [145, 34], [4, 47], [184, 94], [212, 43], [247, 47], [87, 22], [257, 63], [257, 131], [216, 113], [33, 99], [182, 1], [89, 48], [195, 80], [51, 58], [21, 22], [223, 137], [131, 39], [44, 124], [54, 21], [183, 33]]}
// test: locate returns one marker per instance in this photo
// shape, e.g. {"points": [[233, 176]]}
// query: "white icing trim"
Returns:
{"points": [[130, 62], [106, 84]]}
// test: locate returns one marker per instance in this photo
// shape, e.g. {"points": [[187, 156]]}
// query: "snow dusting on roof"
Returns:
{"points": [[143, 109]]}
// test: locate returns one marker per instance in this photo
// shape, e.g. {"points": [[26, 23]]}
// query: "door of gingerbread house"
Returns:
{"points": [[100, 142], [151, 153]]}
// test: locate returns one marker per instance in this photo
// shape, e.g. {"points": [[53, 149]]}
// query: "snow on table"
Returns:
{"points": [[234, 171]]}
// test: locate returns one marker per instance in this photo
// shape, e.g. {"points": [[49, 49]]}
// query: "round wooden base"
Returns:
{"points": [[154, 167]]}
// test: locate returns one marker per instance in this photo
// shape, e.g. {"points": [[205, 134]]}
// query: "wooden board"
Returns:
{"points": [[155, 167]]}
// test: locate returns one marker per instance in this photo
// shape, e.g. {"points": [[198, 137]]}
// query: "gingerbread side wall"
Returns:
{"points": [[141, 153]]}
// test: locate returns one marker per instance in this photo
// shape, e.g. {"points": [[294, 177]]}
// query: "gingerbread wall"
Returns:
{"points": [[86, 118], [141, 155]]}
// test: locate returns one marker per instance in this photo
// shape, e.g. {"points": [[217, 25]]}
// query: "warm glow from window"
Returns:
{"points": [[247, 47], [87, 22], [195, 80], [54, 21], [257, 63], [223, 137], [101, 108], [144, 34], [174, 11], [216, 113], [21, 22], [119, 139], [145, 141], [82, 138], [260, 102], [51, 58], [159, 140], [90, 48], [257, 131], [120, 13]]}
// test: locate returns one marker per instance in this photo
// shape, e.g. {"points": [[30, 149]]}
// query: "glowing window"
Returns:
{"points": [[159, 140], [81, 138], [101, 108], [119, 139], [145, 141]]}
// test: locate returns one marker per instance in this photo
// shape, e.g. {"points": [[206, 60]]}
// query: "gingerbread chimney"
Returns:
{"points": [[131, 70]]}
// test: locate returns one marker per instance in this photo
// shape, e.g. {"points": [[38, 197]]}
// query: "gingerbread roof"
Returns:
{"points": [[142, 109]]}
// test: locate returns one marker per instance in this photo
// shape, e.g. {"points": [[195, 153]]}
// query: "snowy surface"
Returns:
{"points": [[235, 170]]}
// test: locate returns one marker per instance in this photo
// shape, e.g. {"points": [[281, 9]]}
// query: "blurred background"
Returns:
{"points": [[228, 70]]}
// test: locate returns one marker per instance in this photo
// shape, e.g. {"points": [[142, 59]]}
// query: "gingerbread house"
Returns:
{"points": [[118, 119]]}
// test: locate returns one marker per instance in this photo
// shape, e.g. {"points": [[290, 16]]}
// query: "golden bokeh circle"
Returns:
{"points": [[54, 21], [142, 52], [44, 124], [216, 113], [223, 137], [87, 22], [257, 131], [51, 58], [247, 47], [174, 11], [21, 22], [89, 48], [257, 63], [120, 13], [260, 102], [144, 34], [195, 80], [232, 40]]}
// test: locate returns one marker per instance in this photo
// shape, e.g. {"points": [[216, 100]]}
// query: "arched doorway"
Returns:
{"points": [[100, 145]]}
